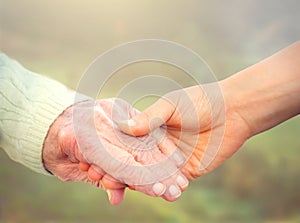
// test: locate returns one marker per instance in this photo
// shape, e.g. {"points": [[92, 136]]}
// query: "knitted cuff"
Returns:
{"points": [[44, 115]]}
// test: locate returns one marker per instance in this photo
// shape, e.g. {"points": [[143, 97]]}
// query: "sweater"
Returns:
{"points": [[29, 103]]}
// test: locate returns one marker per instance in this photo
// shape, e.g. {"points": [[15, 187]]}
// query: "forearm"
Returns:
{"points": [[268, 92]]}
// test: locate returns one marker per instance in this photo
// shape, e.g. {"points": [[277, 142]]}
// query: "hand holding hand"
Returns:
{"points": [[200, 121], [71, 147]]}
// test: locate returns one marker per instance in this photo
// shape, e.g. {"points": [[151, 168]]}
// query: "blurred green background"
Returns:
{"points": [[60, 38]]}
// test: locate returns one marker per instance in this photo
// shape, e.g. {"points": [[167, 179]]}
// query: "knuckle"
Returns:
{"points": [[62, 134]]}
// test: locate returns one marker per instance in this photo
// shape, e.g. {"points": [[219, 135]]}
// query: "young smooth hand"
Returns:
{"points": [[210, 122], [200, 121]]}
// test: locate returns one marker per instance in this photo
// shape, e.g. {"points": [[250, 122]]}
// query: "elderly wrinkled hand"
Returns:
{"points": [[85, 144]]}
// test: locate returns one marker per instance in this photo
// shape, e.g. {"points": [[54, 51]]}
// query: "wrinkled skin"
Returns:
{"points": [[91, 148], [201, 122]]}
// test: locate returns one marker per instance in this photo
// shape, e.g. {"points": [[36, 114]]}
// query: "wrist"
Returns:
{"points": [[52, 153], [236, 109], [60, 142]]}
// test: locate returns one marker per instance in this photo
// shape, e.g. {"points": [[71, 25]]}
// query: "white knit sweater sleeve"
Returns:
{"points": [[29, 103]]}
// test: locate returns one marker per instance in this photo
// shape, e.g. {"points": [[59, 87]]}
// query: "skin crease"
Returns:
{"points": [[215, 131], [182, 127], [63, 158], [252, 101]]}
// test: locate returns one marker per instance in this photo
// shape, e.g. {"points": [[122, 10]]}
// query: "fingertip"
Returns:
{"points": [[132, 127], [116, 196], [159, 189], [178, 158], [172, 194], [171, 150], [126, 126], [182, 182]]}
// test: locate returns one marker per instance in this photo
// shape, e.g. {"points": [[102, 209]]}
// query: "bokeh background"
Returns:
{"points": [[60, 38]]}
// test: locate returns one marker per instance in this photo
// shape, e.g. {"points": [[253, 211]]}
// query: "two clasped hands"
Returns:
{"points": [[182, 136], [95, 142]]}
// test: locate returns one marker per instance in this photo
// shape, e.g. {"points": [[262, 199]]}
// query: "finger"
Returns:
{"points": [[152, 180], [171, 151], [175, 179], [95, 173], [173, 192], [175, 183], [167, 147], [84, 166], [108, 182], [153, 117], [69, 172], [153, 190], [116, 196], [123, 166], [169, 189]]}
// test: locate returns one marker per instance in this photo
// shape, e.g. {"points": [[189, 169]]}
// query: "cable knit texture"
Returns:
{"points": [[29, 103]]}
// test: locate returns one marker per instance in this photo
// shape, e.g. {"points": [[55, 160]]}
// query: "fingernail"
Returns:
{"points": [[174, 191], [178, 158], [129, 122], [159, 189], [126, 124], [108, 194], [183, 183]]}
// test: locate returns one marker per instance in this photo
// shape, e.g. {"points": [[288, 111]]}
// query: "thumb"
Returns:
{"points": [[150, 119]]}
